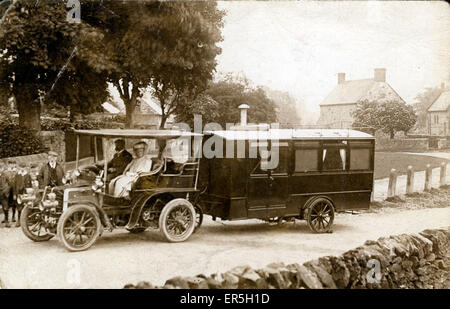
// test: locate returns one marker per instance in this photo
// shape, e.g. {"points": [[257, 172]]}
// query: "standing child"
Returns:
{"points": [[8, 184], [3, 190], [22, 181]]}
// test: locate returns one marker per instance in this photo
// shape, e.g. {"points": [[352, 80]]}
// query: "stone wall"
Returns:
{"points": [[403, 144], [405, 261]]}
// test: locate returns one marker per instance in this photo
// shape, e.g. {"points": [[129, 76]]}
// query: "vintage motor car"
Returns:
{"points": [[319, 172], [164, 198]]}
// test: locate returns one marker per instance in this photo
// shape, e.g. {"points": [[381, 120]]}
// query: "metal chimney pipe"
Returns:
{"points": [[243, 108]]}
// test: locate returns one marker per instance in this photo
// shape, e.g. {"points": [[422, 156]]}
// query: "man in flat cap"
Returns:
{"points": [[51, 174]]}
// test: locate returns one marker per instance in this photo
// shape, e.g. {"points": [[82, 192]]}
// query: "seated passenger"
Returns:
{"points": [[121, 185]]}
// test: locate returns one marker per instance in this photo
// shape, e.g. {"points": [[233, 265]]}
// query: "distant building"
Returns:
{"points": [[147, 114], [438, 114], [336, 109]]}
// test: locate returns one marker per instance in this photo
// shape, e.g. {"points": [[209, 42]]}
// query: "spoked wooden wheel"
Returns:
{"points": [[198, 217], [79, 227], [320, 215], [177, 220], [33, 224]]}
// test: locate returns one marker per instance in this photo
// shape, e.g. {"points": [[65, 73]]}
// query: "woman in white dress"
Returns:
{"points": [[121, 185]]}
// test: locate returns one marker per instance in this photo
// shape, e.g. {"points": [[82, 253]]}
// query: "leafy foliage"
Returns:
{"points": [[36, 44], [168, 45], [389, 116], [219, 103], [16, 141]]}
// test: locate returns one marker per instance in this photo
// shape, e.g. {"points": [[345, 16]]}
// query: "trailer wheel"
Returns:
{"points": [[198, 217], [320, 215], [177, 220], [79, 227], [33, 225]]}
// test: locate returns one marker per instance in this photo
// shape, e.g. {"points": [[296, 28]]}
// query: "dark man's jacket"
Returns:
{"points": [[120, 162], [49, 176], [21, 182], [4, 187], [7, 183]]}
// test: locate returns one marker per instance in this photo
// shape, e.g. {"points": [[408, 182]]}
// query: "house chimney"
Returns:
{"points": [[341, 78], [379, 75], [243, 108]]}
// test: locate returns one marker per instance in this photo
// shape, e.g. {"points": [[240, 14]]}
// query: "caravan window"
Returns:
{"points": [[334, 156], [306, 156], [360, 155]]}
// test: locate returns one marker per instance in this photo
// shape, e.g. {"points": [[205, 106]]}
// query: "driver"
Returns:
{"points": [[120, 185], [120, 160]]}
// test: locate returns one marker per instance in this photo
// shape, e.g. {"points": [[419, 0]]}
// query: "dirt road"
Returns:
{"points": [[119, 258]]}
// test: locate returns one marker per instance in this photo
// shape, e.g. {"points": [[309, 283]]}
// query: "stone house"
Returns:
{"points": [[438, 114], [337, 107], [147, 114]]}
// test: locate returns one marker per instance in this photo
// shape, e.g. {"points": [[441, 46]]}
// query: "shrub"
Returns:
{"points": [[17, 141]]}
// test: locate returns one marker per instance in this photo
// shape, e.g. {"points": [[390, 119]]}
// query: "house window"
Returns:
{"points": [[436, 118]]}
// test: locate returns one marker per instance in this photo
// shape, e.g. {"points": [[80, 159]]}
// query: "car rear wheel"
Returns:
{"points": [[320, 215], [33, 224], [177, 220], [79, 227]]}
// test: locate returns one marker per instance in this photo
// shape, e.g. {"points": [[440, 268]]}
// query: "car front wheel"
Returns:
{"points": [[79, 227], [33, 224]]}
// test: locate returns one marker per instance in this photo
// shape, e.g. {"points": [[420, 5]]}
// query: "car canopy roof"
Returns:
{"points": [[291, 134], [137, 133]]}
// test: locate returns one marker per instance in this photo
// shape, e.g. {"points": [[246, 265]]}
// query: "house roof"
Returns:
{"points": [[352, 91], [442, 103], [349, 92]]}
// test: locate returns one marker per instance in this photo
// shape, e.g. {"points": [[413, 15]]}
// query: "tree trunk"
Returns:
{"points": [[163, 121], [29, 108], [392, 134], [130, 106]]}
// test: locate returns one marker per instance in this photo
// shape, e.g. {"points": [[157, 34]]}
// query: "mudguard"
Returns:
{"points": [[143, 198]]}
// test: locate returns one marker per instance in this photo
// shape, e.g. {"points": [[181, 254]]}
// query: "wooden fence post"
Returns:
{"points": [[410, 180], [392, 183], [442, 179], [428, 173]]}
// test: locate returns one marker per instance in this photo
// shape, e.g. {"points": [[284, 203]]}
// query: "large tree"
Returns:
{"points": [[168, 45], [220, 101], [389, 117], [41, 53]]}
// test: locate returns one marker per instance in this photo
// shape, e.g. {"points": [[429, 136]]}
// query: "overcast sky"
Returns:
{"points": [[300, 46]]}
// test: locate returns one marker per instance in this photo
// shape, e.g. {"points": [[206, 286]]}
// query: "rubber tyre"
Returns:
{"points": [[177, 204], [314, 220], [68, 214], [198, 217], [24, 224]]}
